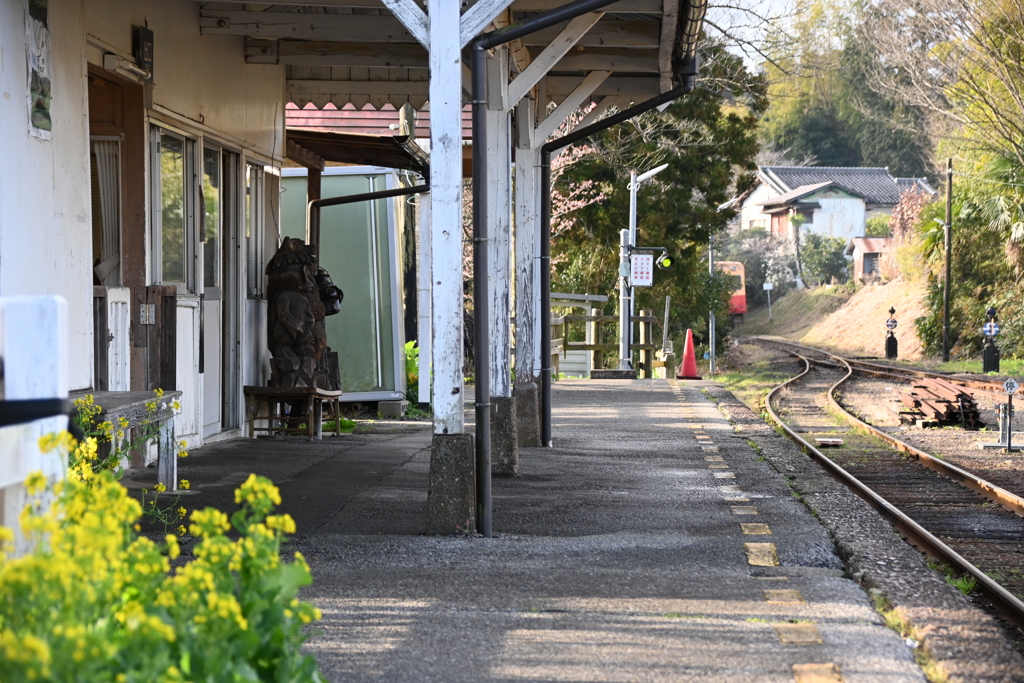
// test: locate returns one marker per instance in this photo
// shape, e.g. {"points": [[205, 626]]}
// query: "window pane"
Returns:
{"points": [[212, 231], [172, 207]]}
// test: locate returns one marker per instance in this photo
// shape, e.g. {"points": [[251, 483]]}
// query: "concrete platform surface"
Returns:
{"points": [[651, 543]]}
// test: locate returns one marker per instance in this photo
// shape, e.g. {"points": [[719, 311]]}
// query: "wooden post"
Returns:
{"points": [[498, 214], [423, 270], [445, 59], [527, 244], [34, 348], [646, 355], [591, 338], [313, 184]]}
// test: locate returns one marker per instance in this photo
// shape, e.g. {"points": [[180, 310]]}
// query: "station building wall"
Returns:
{"points": [[204, 91]]}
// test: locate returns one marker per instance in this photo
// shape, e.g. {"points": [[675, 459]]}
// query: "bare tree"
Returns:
{"points": [[959, 60]]}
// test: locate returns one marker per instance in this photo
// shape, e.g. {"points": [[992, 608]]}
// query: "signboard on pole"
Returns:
{"points": [[641, 270], [1010, 386], [768, 286]]}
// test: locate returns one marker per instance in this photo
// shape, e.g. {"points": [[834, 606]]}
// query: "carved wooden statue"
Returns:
{"points": [[299, 294]]}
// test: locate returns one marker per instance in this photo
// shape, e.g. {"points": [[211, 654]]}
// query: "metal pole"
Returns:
{"points": [[481, 296], [633, 182], [624, 303], [949, 260], [1009, 423], [769, 305], [664, 326], [711, 314]]}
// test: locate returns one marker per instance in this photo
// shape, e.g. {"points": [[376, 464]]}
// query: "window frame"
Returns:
{"points": [[254, 228], [191, 199]]}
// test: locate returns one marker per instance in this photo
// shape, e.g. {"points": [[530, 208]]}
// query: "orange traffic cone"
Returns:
{"points": [[688, 370]]}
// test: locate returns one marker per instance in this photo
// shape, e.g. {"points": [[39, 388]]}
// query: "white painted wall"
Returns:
{"points": [[751, 211], [45, 207], [200, 79], [838, 217]]}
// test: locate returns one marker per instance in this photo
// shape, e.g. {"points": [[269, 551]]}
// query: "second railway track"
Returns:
{"points": [[970, 524]]}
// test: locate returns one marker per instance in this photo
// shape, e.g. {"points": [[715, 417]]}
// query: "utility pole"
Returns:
{"points": [[949, 259]]}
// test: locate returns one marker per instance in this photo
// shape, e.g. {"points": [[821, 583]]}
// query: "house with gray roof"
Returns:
{"points": [[833, 201]]}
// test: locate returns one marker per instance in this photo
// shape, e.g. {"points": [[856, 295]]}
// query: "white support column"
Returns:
{"points": [[498, 214], [527, 243], [423, 272], [446, 214]]}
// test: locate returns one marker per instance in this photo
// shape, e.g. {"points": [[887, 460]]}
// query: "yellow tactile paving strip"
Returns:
{"points": [[705, 418], [816, 673]]}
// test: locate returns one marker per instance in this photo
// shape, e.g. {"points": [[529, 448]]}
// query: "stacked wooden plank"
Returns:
{"points": [[934, 402]]}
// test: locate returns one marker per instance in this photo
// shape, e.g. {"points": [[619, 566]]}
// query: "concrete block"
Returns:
{"points": [[392, 408], [504, 437], [613, 374], [527, 397], [451, 496]]}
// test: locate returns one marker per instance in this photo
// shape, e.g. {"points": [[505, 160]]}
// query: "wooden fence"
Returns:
{"points": [[596, 334]]}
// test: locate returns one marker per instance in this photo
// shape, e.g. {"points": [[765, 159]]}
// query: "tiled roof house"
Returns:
{"points": [[834, 201]]}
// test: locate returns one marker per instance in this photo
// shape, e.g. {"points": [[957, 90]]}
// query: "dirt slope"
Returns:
{"points": [[850, 324]]}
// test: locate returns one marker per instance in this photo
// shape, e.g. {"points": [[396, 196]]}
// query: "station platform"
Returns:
{"points": [[665, 537]]}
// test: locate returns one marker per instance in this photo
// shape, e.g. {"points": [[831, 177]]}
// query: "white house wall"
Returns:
{"points": [[752, 211], [838, 217], [45, 200]]}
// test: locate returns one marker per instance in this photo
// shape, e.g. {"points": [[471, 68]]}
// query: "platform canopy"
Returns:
{"points": [[357, 52]]}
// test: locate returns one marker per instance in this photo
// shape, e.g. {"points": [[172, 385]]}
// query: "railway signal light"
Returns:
{"points": [[891, 345], [664, 261], [990, 353]]}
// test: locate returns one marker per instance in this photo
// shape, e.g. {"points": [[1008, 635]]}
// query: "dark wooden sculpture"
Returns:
{"points": [[297, 291]]}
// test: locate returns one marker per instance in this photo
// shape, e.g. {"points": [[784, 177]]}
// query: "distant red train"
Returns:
{"points": [[738, 300]]}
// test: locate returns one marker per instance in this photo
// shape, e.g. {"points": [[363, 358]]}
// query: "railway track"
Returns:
{"points": [[970, 524]]}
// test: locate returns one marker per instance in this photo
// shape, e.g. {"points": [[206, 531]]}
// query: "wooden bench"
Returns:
{"points": [[275, 399], [131, 405]]}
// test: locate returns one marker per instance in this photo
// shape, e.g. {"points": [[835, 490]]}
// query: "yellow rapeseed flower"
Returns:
{"points": [[283, 523], [184, 484], [160, 488], [35, 482]]}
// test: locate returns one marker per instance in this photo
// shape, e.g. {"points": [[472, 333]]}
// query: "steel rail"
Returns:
{"points": [[917, 535], [896, 371], [996, 494]]}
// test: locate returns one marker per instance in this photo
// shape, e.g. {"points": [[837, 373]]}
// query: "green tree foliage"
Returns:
{"points": [[981, 277], [824, 258], [708, 140], [877, 226], [823, 106]]}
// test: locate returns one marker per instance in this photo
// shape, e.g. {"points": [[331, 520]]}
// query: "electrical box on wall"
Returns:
{"points": [[142, 49]]}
